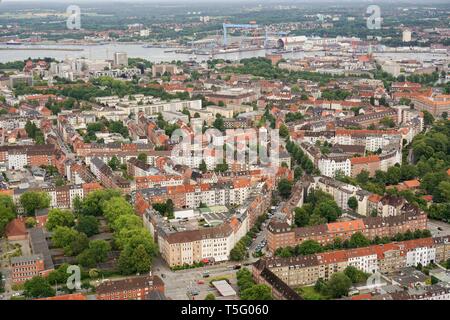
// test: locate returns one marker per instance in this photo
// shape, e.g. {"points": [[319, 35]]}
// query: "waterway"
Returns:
{"points": [[106, 51]]}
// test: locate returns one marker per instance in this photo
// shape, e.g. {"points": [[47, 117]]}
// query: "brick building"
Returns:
{"points": [[137, 288]]}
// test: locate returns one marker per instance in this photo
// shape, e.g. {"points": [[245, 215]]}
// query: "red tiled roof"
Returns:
{"points": [[362, 160], [412, 183], [16, 228], [74, 296]]}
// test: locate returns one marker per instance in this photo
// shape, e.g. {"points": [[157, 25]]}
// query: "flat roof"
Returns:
{"points": [[224, 288], [39, 245]]}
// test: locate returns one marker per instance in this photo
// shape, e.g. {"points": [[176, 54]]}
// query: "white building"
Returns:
{"points": [[366, 263], [422, 255], [17, 160], [330, 167]]}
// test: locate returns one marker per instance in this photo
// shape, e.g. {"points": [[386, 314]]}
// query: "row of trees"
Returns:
{"points": [[357, 240], [7, 212], [299, 157], [239, 252], [134, 242], [249, 290]]}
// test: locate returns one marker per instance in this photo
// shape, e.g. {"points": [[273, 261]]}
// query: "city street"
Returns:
{"points": [[179, 283]]}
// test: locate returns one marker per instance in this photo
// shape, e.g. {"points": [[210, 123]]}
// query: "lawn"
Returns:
{"points": [[309, 293]]}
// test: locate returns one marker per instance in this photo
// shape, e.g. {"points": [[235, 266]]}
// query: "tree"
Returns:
{"points": [[210, 296], [115, 207], [355, 275], [86, 259], [387, 122], [134, 260], [393, 175], [328, 209], [352, 203], [38, 287], [257, 292], [7, 212], [114, 163], [126, 221], [338, 285], [58, 217], [88, 225], [444, 191], [100, 248], [309, 247], [363, 177], [30, 222], [72, 241], [244, 279], [142, 157], [284, 131], [34, 200], [221, 167], [97, 252], [203, 168], [92, 204], [298, 173], [219, 124], [358, 240], [320, 286], [236, 254], [59, 276], [428, 118], [408, 172], [316, 220], [285, 188], [301, 217]]}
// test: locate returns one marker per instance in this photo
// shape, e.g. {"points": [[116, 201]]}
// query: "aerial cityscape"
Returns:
{"points": [[233, 151]]}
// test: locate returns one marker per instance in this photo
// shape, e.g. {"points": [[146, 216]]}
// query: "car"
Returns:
{"points": [[439, 228], [237, 267], [200, 282], [206, 275], [163, 275]]}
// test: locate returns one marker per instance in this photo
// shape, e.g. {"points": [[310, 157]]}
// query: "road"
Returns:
{"points": [[64, 147], [179, 283]]}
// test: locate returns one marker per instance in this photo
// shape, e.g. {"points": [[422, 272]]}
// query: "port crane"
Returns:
{"points": [[238, 26]]}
